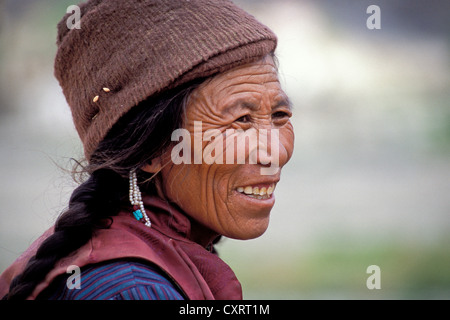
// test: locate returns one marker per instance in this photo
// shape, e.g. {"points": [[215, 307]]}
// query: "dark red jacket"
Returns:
{"points": [[199, 273]]}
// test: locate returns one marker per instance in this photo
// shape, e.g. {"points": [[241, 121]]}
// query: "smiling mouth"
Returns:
{"points": [[260, 193]]}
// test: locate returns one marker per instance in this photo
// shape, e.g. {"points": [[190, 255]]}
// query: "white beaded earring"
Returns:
{"points": [[136, 200]]}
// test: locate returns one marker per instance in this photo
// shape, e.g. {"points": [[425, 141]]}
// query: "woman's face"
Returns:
{"points": [[215, 186]]}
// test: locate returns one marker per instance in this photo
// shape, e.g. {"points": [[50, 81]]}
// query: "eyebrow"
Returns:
{"points": [[245, 104]]}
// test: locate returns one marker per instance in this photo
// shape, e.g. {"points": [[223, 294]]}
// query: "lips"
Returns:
{"points": [[261, 192]]}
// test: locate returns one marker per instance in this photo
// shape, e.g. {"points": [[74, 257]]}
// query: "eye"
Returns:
{"points": [[280, 115], [243, 119]]}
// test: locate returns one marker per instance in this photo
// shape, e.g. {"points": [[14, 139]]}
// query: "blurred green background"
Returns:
{"points": [[369, 182]]}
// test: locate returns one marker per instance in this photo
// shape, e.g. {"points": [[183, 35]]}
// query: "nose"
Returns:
{"points": [[271, 154], [263, 146], [268, 146]]}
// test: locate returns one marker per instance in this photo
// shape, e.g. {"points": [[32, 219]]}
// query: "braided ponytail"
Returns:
{"points": [[93, 201], [140, 135]]}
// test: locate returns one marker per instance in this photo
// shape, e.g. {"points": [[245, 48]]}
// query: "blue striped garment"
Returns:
{"points": [[119, 280]]}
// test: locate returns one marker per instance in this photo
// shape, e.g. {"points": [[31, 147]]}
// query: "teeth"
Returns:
{"points": [[262, 191], [248, 190], [256, 192]]}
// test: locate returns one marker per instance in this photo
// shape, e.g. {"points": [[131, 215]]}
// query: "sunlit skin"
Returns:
{"points": [[249, 96]]}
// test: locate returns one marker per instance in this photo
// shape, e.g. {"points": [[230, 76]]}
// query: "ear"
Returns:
{"points": [[153, 167]]}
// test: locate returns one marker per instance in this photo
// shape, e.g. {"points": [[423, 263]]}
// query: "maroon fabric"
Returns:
{"points": [[199, 273]]}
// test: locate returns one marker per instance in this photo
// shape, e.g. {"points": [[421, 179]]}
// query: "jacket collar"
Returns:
{"points": [[169, 219]]}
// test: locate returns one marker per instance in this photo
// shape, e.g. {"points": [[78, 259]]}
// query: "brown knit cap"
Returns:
{"points": [[136, 48]]}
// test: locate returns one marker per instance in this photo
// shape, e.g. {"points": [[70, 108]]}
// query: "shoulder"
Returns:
{"points": [[119, 280]]}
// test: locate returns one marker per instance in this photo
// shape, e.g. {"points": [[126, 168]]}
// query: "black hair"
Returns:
{"points": [[139, 136]]}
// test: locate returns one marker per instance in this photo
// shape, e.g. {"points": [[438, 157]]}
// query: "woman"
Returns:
{"points": [[143, 224]]}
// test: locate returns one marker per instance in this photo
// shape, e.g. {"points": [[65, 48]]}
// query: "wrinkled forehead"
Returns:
{"points": [[260, 72], [251, 80]]}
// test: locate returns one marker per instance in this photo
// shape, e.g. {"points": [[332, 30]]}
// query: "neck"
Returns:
{"points": [[202, 234], [178, 221]]}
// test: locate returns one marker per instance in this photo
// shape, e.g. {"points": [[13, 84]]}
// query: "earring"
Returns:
{"points": [[136, 200]]}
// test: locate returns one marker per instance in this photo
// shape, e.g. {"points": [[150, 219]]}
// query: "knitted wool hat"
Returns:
{"points": [[129, 50]]}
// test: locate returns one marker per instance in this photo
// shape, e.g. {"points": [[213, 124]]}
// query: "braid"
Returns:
{"points": [[89, 208], [139, 136]]}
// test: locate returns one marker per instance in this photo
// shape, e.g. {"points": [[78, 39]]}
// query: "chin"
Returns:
{"points": [[250, 230]]}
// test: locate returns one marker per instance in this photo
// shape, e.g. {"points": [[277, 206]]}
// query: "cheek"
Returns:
{"points": [[183, 185], [203, 193], [183, 182], [194, 188]]}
